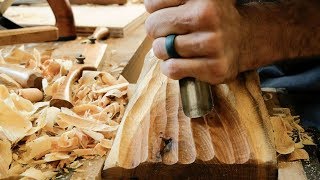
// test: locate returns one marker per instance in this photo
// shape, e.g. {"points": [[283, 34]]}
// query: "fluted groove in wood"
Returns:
{"points": [[202, 139], [234, 129], [254, 90], [234, 134], [187, 150], [220, 139], [145, 138], [172, 106], [158, 123], [261, 150], [129, 134]]}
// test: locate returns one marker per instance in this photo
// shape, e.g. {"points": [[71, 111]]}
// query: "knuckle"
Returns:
{"points": [[207, 15], [150, 5], [172, 70], [150, 27], [219, 69], [222, 69], [214, 42], [157, 49]]}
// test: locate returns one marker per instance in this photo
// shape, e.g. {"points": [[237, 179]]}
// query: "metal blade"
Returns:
{"points": [[8, 24]]}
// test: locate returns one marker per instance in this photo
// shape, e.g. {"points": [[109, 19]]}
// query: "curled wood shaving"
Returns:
{"points": [[12, 123], [298, 154], [10, 83], [290, 137], [38, 141], [284, 144], [37, 147], [55, 156]]}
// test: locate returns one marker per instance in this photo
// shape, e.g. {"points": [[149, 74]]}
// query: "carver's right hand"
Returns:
{"points": [[209, 37]]}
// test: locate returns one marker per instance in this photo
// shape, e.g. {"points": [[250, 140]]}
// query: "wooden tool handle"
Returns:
{"points": [[25, 77], [64, 19], [101, 2], [63, 98], [100, 33]]}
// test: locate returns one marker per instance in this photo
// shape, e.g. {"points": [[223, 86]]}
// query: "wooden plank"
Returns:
{"points": [[119, 19], [196, 170], [292, 171], [235, 138], [28, 35], [91, 169]]}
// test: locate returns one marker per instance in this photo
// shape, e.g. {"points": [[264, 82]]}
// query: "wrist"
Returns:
{"points": [[278, 31], [262, 39]]}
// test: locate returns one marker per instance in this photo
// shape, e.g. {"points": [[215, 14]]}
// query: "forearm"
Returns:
{"points": [[278, 31]]}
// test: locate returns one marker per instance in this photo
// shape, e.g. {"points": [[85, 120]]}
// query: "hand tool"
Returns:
{"points": [[195, 95], [87, 57], [64, 19], [18, 35], [4, 22], [27, 78]]}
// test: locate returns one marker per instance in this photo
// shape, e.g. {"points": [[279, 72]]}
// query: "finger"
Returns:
{"points": [[175, 20], [154, 5], [207, 70], [198, 44]]}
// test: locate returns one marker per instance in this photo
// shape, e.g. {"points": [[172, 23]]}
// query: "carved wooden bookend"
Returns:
{"points": [[158, 140]]}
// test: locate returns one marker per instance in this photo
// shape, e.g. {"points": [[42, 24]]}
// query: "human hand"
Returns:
{"points": [[209, 37]]}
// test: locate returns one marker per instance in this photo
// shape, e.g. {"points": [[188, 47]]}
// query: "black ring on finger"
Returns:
{"points": [[171, 50]]}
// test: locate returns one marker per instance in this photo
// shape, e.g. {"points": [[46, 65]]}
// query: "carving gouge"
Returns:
{"points": [[25, 77], [196, 97]]}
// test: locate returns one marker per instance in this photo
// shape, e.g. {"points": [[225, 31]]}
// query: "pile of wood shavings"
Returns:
{"points": [[42, 142], [290, 137]]}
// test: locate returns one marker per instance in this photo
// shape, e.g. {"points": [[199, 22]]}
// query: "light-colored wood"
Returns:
{"points": [[119, 19], [125, 56], [25, 77], [10, 83], [101, 33], [233, 139], [4, 5], [292, 171], [119, 51], [28, 35], [91, 169], [93, 54]]}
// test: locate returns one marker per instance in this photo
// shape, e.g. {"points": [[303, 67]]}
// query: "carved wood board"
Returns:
{"points": [[158, 140]]}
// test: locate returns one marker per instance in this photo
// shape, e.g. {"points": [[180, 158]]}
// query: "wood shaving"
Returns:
{"points": [[290, 137], [5, 157], [38, 141]]}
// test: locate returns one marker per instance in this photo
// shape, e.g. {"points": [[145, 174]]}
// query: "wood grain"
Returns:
{"points": [[233, 138], [64, 19], [28, 35], [93, 54], [120, 20]]}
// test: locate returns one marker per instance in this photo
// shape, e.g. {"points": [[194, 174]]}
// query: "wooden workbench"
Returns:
{"points": [[131, 50]]}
